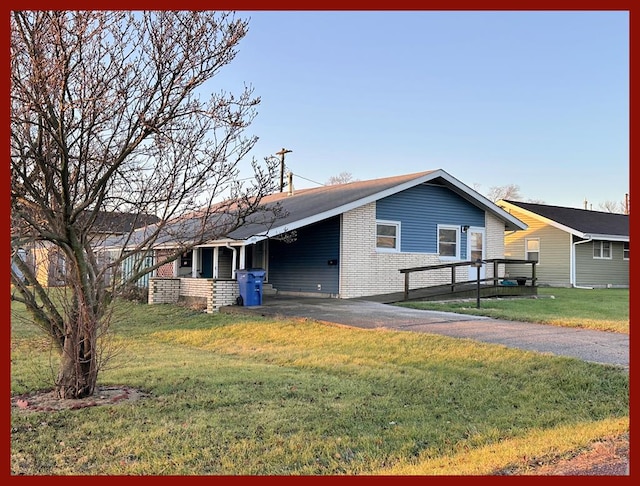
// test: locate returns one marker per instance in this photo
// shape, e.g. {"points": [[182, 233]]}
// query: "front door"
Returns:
{"points": [[207, 262], [475, 251]]}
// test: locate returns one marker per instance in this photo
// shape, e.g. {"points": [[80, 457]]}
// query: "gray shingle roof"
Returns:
{"points": [[582, 220], [325, 201], [310, 205], [307, 206]]}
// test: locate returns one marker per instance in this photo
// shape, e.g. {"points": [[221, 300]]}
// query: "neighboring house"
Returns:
{"points": [[48, 262], [573, 247], [350, 240]]}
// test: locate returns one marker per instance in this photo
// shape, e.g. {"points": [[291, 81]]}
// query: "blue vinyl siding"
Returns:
{"points": [[421, 209], [303, 264]]}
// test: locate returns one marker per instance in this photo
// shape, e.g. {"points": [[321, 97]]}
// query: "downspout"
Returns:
{"points": [[233, 260], [573, 264]]}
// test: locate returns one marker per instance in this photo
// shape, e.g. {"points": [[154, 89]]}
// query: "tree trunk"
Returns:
{"points": [[78, 371]]}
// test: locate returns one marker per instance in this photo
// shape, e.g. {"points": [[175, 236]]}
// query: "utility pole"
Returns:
{"points": [[626, 203], [281, 154]]}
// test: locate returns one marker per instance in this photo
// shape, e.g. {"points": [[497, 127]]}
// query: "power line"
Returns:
{"points": [[301, 177]]}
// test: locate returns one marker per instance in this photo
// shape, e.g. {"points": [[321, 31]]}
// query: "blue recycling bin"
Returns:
{"points": [[250, 286]]}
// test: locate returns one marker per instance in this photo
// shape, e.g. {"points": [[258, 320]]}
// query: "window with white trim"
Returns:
{"points": [[449, 242], [625, 250], [387, 235], [602, 249], [532, 249]]}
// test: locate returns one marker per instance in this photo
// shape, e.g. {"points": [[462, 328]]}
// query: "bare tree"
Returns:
{"points": [[613, 207], [510, 192], [342, 178], [106, 116]]}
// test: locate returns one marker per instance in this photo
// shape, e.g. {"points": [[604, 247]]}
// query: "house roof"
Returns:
{"points": [[118, 223], [308, 206], [579, 222]]}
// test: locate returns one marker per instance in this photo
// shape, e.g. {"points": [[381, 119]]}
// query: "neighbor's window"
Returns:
{"points": [[449, 242], [601, 249], [532, 249], [625, 250], [388, 235]]}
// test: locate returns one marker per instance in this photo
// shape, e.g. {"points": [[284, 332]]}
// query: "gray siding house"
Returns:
{"points": [[351, 240], [573, 247]]}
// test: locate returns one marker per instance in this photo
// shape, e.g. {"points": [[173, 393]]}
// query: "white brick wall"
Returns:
{"points": [[196, 287], [365, 271], [495, 242], [164, 290], [225, 292], [216, 292]]}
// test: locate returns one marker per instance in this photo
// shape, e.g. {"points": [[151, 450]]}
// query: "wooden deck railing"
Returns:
{"points": [[495, 278]]}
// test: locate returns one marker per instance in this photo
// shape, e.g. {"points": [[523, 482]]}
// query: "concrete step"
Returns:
{"points": [[267, 289]]}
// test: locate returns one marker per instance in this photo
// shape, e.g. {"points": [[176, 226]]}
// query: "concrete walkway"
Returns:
{"points": [[593, 346]]}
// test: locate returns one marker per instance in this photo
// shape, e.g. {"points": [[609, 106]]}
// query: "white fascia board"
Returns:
{"points": [[345, 207], [482, 201], [439, 173], [224, 242]]}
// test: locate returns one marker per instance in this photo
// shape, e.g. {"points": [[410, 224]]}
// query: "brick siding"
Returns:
{"points": [[213, 294]]}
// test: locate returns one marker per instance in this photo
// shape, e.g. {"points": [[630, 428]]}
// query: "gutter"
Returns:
{"points": [[234, 259], [573, 263]]}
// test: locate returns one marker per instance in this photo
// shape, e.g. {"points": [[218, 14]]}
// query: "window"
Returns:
{"points": [[532, 249], [388, 236], [187, 259], [449, 242], [625, 250], [602, 249]]}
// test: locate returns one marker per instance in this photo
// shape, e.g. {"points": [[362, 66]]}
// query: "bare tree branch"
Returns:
{"points": [[107, 116]]}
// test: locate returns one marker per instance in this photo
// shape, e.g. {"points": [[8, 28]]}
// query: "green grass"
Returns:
{"points": [[237, 395], [599, 309]]}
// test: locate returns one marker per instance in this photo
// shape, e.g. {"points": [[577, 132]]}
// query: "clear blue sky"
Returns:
{"points": [[537, 99]]}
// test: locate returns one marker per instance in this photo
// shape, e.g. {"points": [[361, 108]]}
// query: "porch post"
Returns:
{"points": [[216, 257], [194, 262], [242, 256], [234, 262]]}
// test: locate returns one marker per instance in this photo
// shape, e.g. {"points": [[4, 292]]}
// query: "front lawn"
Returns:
{"points": [[238, 395], [599, 309]]}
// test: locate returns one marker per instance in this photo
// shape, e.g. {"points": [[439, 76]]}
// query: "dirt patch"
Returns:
{"points": [[47, 401], [607, 457]]}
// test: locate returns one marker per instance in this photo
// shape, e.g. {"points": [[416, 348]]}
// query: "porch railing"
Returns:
{"points": [[495, 279]]}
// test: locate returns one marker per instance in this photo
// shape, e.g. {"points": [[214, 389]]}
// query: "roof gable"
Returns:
{"points": [[308, 206], [580, 222]]}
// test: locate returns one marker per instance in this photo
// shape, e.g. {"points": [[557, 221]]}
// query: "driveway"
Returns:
{"points": [[594, 346]]}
